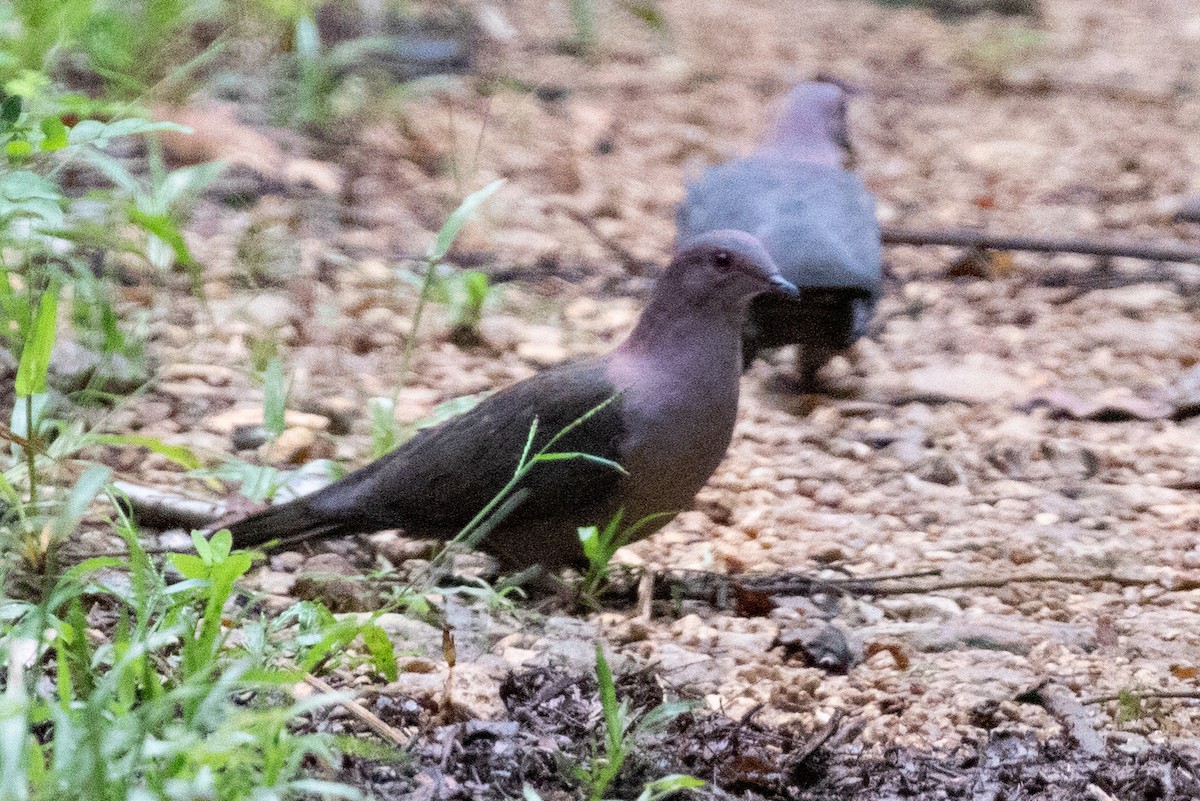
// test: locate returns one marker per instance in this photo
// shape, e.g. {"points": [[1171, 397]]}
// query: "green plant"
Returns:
{"points": [[37, 217], [622, 728], [583, 18], [162, 707], [33, 31], [161, 204], [494, 597], [385, 435], [599, 547], [134, 47], [467, 294], [509, 496], [275, 395], [314, 79]]}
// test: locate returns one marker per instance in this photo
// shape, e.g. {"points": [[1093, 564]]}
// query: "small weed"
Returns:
{"points": [[583, 18], [495, 598], [162, 708], [622, 727], [468, 293], [275, 395], [599, 547], [385, 435], [1000, 51]]}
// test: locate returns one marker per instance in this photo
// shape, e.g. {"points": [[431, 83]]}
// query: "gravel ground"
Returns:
{"points": [[1020, 416]]}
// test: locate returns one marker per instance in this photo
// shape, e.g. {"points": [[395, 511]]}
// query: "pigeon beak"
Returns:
{"points": [[782, 286]]}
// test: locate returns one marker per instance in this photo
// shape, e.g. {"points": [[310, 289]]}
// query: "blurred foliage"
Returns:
{"points": [[129, 46], [1000, 50]]}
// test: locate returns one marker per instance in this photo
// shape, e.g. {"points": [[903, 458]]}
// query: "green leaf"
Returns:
{"points": [[310, 788], [222, 544], [55, 134], [559, 456], [451, 408], [114, 170], [203, 548], [657, 719], [583, 15], [35, 355], [661, 788], [275, 392], [18, 149], [179, 454], [187, 182], [99, 133], [383, 653], [383, 426], [455, 222], [20, 423], [189, 566], [19, 185], [86, 489], [237, 564], [649, 13], [162, 226], [1129, 706], [613, 726], [10, 110], [589, 538]]}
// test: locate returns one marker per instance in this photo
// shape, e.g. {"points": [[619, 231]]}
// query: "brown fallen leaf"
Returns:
{"points": [[1185, 672], [895, 649]]}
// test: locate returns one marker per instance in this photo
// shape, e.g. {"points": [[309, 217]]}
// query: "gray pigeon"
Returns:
{"points": [[816, 219], [674, 389]]}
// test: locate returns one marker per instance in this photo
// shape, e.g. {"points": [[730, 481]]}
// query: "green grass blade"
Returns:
{"points": [[35, 355], [181, 455], [455, 222], [275, 393]]}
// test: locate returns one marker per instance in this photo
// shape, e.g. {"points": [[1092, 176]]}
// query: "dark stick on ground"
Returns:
{"points": [[977, 239], [723, 590]]}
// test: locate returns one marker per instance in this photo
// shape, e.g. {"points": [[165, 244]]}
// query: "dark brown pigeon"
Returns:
{"points": [[816, 219], [672, 392]]}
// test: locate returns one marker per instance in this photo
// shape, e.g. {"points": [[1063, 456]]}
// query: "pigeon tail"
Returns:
{"points": [[294, 520]]}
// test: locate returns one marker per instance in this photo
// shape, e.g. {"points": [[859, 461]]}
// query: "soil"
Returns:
{"points": [[1020, 415]]}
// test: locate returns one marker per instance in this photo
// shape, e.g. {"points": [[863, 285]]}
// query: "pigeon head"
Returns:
{"points": [[813, 123], [724, 269]]}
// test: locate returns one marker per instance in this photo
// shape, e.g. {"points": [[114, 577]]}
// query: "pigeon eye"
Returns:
{"points": [[721, 258]]}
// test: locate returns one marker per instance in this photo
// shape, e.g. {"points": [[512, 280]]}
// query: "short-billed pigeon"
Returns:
{"points": [[815, 218], [674, 389]]}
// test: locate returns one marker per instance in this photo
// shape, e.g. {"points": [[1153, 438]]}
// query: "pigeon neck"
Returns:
{"points": [[674, 331], [803, 138], [807, 149]]}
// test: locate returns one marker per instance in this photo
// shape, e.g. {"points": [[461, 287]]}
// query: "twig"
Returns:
{"points": [[721, 589], [980, 240], [632, 263], [818, 739], [1066, 709], [364, 715], [1141, 694]]}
